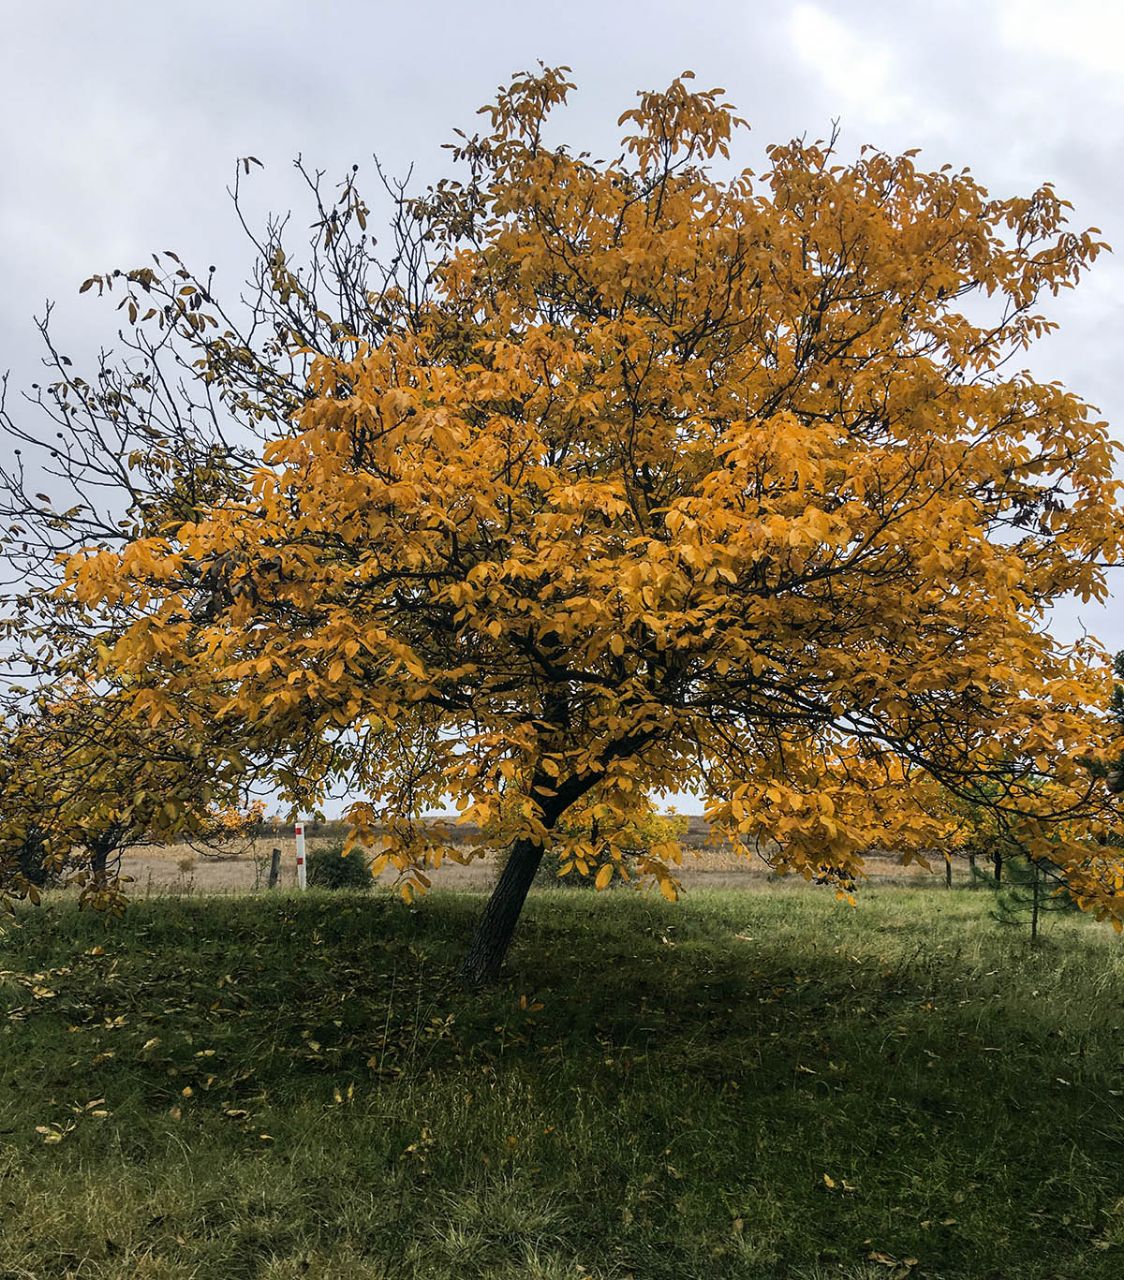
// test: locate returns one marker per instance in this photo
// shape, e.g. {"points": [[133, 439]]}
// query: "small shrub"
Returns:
{"points": [[547, 877], [330, 868]]}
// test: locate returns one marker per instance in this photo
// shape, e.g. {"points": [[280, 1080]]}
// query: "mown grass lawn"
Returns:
{"points": [[746, 1084]]}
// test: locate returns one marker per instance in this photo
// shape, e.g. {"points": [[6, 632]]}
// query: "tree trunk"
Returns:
{"points": [[971, 870], [493, 934], [1034, 906], [998, 860], [29, 860], [948, 871], [99, 863], [274, 868], [101, 848]]}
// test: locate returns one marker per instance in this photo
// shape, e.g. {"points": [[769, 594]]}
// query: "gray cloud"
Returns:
{"points": [[122, 121]]}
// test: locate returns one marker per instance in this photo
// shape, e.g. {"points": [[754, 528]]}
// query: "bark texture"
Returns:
{"points": [[493, 934], [99, 863]]}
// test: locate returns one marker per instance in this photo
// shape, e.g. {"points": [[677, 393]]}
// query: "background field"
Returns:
{"points": [[244, 865], [742, 1085]]}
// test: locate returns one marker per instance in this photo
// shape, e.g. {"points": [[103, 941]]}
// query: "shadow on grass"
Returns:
{"points": [[766, 1084]]}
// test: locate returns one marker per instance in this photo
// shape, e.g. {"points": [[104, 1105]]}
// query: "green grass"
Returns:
{"points": [[293, 1088]]}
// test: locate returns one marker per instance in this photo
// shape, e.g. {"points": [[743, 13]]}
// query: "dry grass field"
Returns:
{"points": [[184, 869]]}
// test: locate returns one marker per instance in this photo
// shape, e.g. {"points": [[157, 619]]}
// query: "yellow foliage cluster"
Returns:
{"points": [[668, 482]]}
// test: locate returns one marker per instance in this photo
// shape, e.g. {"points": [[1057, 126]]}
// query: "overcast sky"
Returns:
{"points": [[121, 122]]}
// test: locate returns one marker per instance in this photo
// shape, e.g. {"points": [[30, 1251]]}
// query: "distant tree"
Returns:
{"points": [[87, 775], [616, 477], [979, 834], [1030, 893], [1033, 887]]}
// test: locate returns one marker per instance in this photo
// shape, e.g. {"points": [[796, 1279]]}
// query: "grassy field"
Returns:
{"points": [[744, 1085]]}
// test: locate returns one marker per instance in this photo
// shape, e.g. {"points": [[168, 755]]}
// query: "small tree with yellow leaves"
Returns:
{"points": [[84, 778]]}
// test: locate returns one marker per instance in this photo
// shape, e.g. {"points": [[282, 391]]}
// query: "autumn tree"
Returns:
{"points": [[24, 865], [84, 777], [616, 478]]}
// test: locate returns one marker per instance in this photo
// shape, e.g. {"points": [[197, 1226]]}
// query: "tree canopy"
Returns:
{"points": [[84, 778], [618, 478]]}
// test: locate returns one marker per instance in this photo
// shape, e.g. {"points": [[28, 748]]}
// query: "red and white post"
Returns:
{"points": [[302, 870]]}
